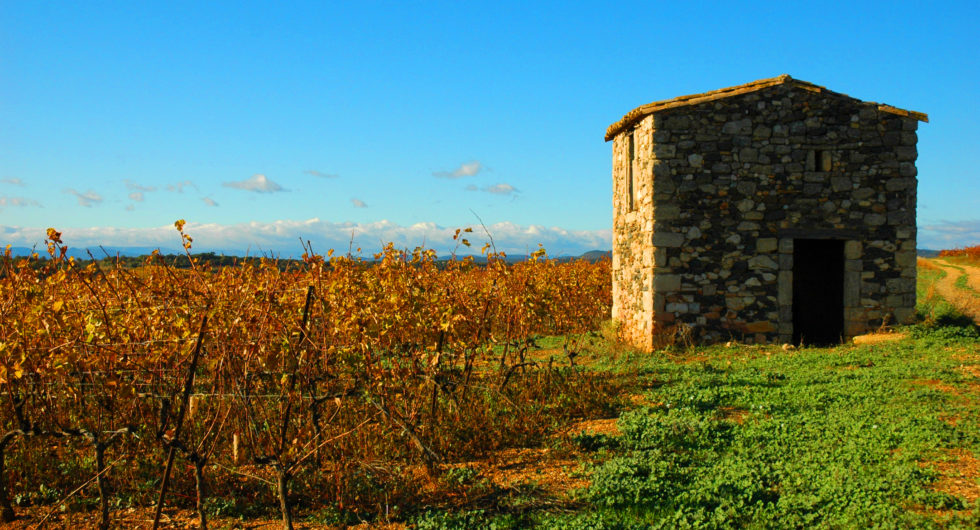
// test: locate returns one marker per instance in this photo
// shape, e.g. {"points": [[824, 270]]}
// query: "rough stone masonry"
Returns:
{"points": [[711, 192]]}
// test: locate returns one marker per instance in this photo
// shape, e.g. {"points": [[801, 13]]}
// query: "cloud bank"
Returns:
{"points": [[282, 237], [949, 234], [12, 180]]}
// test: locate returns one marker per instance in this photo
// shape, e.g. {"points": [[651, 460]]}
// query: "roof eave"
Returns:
{"points": [[642, 111]]}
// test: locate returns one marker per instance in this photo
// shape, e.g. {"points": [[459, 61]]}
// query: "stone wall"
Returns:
{"points": [[632, 233], [734, 182]]}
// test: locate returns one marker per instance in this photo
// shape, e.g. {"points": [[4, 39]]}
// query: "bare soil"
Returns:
{"points": [[966, 301]]}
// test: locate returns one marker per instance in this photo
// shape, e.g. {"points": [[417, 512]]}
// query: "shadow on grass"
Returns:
{"points": [[955, 320]]}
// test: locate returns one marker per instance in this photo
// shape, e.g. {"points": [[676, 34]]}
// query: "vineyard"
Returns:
{"points": [[340, 382]]}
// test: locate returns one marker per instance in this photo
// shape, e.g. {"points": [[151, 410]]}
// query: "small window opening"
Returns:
{"points": [[629, 174]]}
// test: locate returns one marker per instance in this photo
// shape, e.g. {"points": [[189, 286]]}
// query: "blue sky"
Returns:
{"points": [[264, 122]]}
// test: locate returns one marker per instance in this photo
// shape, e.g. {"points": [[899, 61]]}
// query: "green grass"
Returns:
{"points": [[763, 438], [828, 438]]}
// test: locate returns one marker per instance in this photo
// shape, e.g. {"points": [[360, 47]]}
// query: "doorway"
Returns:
{"points": [[818, 291]]}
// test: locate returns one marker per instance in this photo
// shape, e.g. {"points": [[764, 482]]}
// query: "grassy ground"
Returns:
{"points": [[881, 434]]}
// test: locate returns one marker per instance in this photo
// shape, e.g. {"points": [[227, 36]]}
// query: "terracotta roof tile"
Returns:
{"points": [[640, 112]]}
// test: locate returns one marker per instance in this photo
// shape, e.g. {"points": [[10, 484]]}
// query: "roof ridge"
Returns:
{"points": [[640, 112]]}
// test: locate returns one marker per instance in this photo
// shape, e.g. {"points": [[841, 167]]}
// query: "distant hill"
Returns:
{"points": [[20, 251], [98, 252], [596, 255], [926, 253]]}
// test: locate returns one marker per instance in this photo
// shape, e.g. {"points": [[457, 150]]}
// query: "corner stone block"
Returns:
{"points": [[785, 297], [905, 315], [667, 212], [762, 263], [853, 328], [905, 258], [874, 219], [761, 326], [894, 300], [765, 245], [662, 151], [853, 313], [667, 239], [852, 250], [666, 283], [852, 288], [899, 285]]}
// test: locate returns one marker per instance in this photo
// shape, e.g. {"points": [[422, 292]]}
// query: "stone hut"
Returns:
{"points": [[772, 211]]}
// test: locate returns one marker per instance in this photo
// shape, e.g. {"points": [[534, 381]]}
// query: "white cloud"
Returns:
{"points": [[179, 186], [949, 234], [258, 183], [209, 201], [86, 199], [501, 189], [358, 203], [132, 186], [466, 169], [17, 201], [283, 237], [130, 207], [12, 180], [321, 174], [136, 196]]}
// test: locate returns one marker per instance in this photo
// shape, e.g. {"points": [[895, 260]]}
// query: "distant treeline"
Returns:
{"points": [[213, 260], [178, 261], [972, 253]]}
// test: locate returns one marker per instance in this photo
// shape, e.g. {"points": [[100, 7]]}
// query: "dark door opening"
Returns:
{"points": [[818, 291]]}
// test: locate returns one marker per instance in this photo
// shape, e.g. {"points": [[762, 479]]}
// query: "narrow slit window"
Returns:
{"points": [[629, 173]]}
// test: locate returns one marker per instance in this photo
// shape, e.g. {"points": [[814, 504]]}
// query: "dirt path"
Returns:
{"points": [[972, 275], [967, 302]]}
